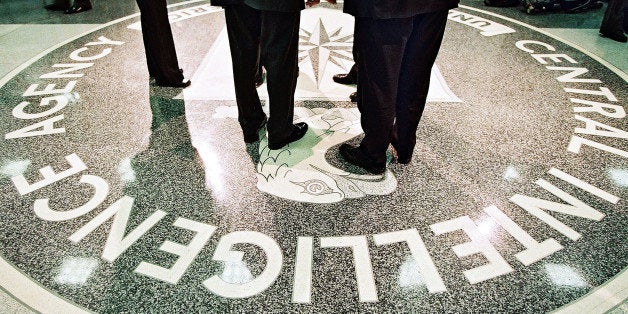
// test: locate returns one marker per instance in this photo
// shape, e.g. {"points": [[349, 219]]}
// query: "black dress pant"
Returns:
{"points": [[66, 4], [395, 58], [161, 55], [274, 36], [613, 20], [62, 3]]}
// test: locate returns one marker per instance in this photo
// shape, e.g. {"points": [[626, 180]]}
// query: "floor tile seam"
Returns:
{"points": [[622, 306], [9, 295], [18, 26]]}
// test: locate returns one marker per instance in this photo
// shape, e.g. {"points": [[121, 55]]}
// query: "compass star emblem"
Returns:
{"points": [[321, 48]]}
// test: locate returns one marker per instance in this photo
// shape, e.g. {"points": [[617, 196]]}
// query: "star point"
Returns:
{"points": [[322, 47]]}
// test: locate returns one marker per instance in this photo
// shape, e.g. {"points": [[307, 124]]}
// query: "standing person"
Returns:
{"points": [[397, 43], [613, 22], [161, 55], [273, 27]]}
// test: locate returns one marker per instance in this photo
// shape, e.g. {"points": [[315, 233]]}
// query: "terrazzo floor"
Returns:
{"points": [[120, 196]]}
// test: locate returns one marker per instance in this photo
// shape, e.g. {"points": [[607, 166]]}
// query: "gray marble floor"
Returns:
{"points": [[316, 234]]}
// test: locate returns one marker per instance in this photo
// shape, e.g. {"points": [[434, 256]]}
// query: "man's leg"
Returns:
{"points": [[158, 42], [243, 28], [414, 79], [348, 78], [612, 23], [58, 5], [380, 44], [279, 48]]}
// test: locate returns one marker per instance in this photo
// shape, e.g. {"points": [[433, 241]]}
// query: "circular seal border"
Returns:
{"points": [[30, 293]]}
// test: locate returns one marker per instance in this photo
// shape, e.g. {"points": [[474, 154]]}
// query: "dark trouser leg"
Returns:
{"points": [[279, 47], [62, 3], [158, 42], [243, 29], [354, 68], [57, 5], [625, 17], [259, 75], [613, 16], [414, 80], [353, 71], [82, 2], [380, 46]]}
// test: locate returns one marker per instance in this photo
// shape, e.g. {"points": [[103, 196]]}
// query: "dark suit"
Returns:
{"points": [[397, 42], [387, 9], [270, 29], [161, 56]]}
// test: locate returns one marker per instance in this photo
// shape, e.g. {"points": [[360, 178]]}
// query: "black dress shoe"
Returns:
{"points": [[182, 84], [78, 8], [617, 35], [254, 136], [402, 158], [354, 155], [298, 131], [353, 97], [346, 78]]}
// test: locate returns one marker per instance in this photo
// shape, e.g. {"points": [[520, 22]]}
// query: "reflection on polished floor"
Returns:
{"points": [[121, 196]]}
